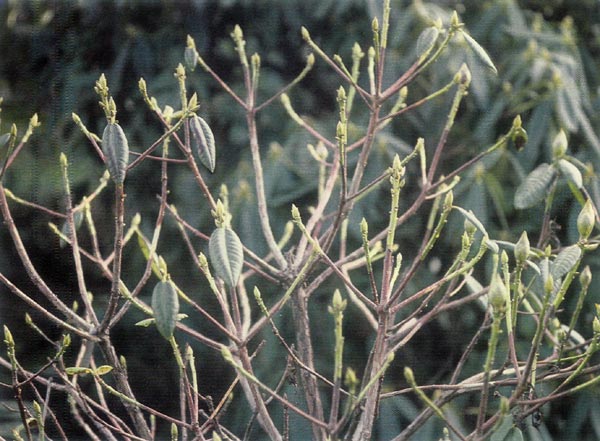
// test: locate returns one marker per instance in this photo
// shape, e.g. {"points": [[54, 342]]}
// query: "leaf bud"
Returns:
{"points": [[338, 304], [585, 278], [549, 284], [190, 42], [504, 257], [559, 145], [403, 94], [296, 214], [469, 227], [448, 200], [350, 380], [364, 228], [463, 76], [180, 72], [237, 34], [519, 138], [454, 21], [226, 354], [305, 33], [375, 25], [586, 221], [497, 293], [8, 337], [357, 52], [596, 325], [409, 375], [522, 248]]}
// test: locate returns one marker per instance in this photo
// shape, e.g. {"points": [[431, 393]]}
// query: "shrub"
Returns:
{"points": [[373, 251]]}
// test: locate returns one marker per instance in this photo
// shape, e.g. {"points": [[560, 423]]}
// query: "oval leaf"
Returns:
{"points": [[565, 261], [203, 142], [4, 139], [533, 189], [116, 151], [103, 370], [66, 230], [426, 41], [226, 255], [480, 52], [570, 172], [191, 58], [165, 305]]}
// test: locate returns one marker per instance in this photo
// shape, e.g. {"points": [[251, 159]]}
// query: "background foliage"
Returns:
{"points": [[547, 54]]}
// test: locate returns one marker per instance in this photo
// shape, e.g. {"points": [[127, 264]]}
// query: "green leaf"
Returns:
{"points": [[191, 58], [565, 261], [165, 305], [507, 431], [66, 231], [4, 139], [150, 321], [75, 370], [480, 52], [116, 151], [226, 255], [145, 323], [568, 106], [146, 252], [570, 172], [426, 41], [533, 189], [103, 370], [203, 142]]}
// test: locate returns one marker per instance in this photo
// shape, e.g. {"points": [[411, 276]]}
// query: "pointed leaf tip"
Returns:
{"points": [[480, 52], [226, 254], [203, 142], [116, 151], [165, 305]]}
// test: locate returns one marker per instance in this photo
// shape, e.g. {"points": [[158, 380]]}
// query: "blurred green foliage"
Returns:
{"points": [[548, 59]]}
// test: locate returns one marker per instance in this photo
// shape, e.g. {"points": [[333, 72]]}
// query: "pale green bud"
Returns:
{"points": [[586, 220], [497, 293], [522, 248], [596, 325], [585, 278], [559, 145]]}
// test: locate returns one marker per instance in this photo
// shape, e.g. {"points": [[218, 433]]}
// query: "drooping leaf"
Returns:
{"points": [[146, 252], [426, 41], [565, 261], [507, 431], [150, 321], [165, 305], [66, 230], [226, 254], [191, 58], [4, 139], [103, 370], [116, 151], [565, 110], [480, 52], [203, 142], [533, 189], [570, 172]]}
